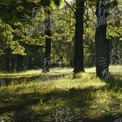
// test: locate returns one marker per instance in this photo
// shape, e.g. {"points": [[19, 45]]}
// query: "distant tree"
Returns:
{"points": [[47, 42], [13, 36], [47, 22], [63, 37]]}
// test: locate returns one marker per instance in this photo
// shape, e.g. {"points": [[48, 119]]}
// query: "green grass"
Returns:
{"points": [[36, 75], [38, 72], [61, 97]]}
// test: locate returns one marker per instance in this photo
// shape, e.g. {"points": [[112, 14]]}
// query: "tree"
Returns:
{"points": [[102, 44], [9, 43], [46, 4], [63, 37], [78, 49], [47, 42], [114, 34]]}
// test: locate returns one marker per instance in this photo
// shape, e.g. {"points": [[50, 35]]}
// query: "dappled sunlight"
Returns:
{"points": [[60, 61], [87, 97], [90, 70], [115, 68], [77, 83]]}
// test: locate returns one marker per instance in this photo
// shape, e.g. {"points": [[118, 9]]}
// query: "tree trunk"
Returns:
{"points": [[102, 44], [78, 52], [8, 60], [19, 62], [12, 63], [47, 44], [29, 62]]}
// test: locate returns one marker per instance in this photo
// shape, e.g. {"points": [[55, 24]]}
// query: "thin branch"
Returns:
{"points": [[69, 6]]}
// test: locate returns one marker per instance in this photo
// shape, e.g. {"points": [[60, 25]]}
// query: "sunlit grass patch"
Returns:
{"points": [[34, 75], [37, 72], [87, 97], [115, 68]]}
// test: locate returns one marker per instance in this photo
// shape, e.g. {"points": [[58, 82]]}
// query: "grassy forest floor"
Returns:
{"points": [[57, 97]]}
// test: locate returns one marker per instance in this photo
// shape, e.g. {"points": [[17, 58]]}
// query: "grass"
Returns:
{"points": [[36, 75], [62, 98]]}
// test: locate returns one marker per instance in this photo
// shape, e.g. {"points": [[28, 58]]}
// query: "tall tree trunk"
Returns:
{"points": [[8, 60], [19, 62], [12, 63], [47, 43], [78, 52], [102, 44], [29, 62]]}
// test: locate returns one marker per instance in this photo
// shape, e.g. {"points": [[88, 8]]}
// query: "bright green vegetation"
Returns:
{"points": [[45, 34], [86, 97], [22, 36]]}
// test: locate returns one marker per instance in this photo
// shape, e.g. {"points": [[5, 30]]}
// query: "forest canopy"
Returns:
{"points": [[23, 34]]}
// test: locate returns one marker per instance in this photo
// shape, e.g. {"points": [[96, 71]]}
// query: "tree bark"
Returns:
{"points": [[78, 52], [47, 44], [8, 60], [19, 62], [29, 62], [102, 44], [12, 63]]}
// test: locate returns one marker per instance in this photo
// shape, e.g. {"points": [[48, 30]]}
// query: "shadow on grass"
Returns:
{"points": [[76, 99], [7, 80], [35, 107], [114, 83]]}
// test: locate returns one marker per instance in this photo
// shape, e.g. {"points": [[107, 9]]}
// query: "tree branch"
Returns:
{"points": [[69, 6]]}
